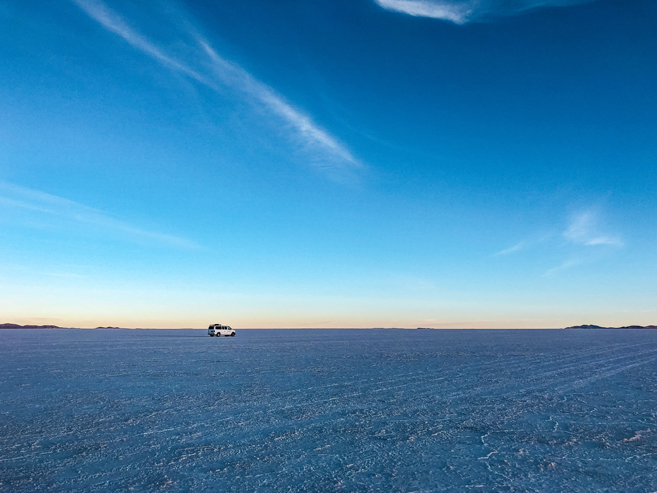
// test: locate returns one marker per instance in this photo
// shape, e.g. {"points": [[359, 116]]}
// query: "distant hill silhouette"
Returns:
{"points": [[613, 328], [16, 326]]}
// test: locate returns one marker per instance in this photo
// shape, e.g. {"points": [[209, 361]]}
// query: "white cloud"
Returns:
{"points": [[311, 133], [457, 12], [583, 229], [15, 196], [329, 153], [112, 22], [604, 240], [585, 236], [464, 11], [527, 243], [514, 248], [568, 264]]}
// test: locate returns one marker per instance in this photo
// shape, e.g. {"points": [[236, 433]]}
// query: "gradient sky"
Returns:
{"points": [[328, 163]]}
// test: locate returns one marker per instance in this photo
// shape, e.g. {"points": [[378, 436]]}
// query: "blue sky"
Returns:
{"points": [[342, 163]]}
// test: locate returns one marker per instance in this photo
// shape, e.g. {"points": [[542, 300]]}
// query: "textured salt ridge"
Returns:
{"points": [[328, 411]]}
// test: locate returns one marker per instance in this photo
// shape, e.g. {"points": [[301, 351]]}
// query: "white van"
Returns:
{"points": [[220, 330]]}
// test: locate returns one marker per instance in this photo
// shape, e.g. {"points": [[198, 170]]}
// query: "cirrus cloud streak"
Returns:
{"points": [[16, 197], [464, 11], [207, 67]]}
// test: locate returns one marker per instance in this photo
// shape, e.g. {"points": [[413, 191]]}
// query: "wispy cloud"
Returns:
{"points": [[604, 240], [207, 67], [15, 196], [515, 248], [528, 243], [464, 11], [308, 130], [457, 12], [584, 235], [112, 22], [584, 230], [568, 264]]}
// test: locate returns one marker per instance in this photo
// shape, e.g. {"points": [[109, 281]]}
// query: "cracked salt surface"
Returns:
{"points": [[328, 410]]}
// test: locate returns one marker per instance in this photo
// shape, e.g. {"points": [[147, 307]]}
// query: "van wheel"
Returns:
{"points": [[233, 334]]}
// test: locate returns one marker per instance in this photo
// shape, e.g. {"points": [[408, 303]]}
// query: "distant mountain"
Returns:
{"points": [[613, 328], [16, 326]]}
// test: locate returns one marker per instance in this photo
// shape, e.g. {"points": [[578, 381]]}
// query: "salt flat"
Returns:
{"points": [[328, 410]]}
